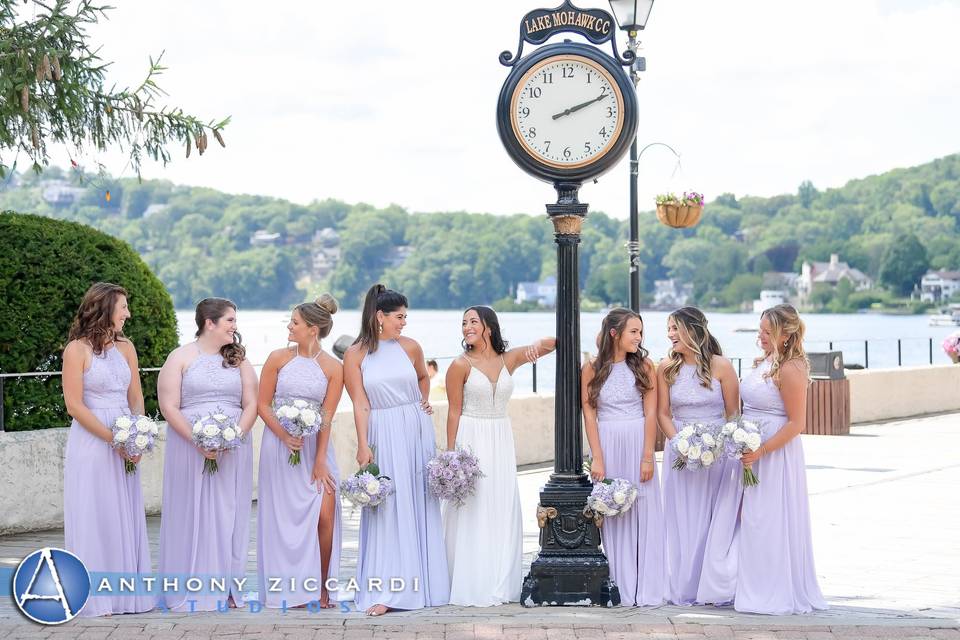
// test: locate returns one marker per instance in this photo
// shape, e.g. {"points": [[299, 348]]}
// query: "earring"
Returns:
{"points": [[380, 327]]}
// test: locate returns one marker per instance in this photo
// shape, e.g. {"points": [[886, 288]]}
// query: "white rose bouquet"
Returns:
{"points": [[738, 437], [135, 435], [612, 497], [216, 432], [367, 488], [299, 418], [696, 446]]}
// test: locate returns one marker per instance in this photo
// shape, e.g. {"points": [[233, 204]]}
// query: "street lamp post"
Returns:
{"points": [[632, 17]]}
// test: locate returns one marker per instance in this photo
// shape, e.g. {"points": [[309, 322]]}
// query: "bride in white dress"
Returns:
{"points": [[485, 536]]}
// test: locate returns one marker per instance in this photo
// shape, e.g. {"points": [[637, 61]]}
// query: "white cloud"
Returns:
{"points": [[394, 102]]}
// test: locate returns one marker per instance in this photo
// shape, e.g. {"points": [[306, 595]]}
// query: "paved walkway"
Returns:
{"points": [[885, 525]]}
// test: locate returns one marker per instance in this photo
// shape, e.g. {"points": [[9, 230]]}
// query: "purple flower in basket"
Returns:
{"points": [[612, 497], [453, 475]]}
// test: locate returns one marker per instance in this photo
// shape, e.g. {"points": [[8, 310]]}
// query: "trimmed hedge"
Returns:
{"points": [[46, 266]]}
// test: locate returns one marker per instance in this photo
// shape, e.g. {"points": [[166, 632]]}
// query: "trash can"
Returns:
{"points": [[828, 398]]}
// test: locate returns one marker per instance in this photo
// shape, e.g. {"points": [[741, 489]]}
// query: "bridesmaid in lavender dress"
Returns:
{"points": [[103, 519], [298, 507], [619, 397], [776, 573], [205, 527], [402, 538], [696, 384]]}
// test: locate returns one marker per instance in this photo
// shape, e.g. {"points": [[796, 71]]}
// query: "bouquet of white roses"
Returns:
{"points": [[216, 432], [696, 446], [612, 497], [367, 488], [299, 418], [738, 437], [135, 435]]}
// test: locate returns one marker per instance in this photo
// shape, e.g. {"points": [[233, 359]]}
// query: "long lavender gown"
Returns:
{"points": [[403, 537], [634, 541], [689, 496], [103, 519], [205, 527], [288, 503], [776, 573]]}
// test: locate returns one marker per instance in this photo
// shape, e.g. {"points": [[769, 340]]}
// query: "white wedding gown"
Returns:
{"points": [[485, 536]]}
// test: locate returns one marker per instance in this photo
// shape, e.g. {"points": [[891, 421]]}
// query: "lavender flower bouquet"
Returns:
{"points": [[453, 475], [612, 497], [299, 418], [367, 488], [738, 437], [696, 446], [135, 435], [216, 432]]}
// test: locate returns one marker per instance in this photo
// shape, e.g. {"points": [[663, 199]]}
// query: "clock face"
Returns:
{"points": [[567, 111]]}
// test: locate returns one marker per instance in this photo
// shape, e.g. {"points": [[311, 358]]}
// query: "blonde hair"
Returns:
{"points": [[693, 333], [787, 330], [319, 313]]}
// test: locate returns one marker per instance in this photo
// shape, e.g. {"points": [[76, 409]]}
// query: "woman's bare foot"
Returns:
{"points": [[325, 601], [377, 610]]}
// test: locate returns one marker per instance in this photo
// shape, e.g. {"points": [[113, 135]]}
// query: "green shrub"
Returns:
{"points": [[45, 268]]}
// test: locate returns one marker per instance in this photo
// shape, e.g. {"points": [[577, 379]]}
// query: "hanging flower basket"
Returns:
{"points": [[680, 212]]}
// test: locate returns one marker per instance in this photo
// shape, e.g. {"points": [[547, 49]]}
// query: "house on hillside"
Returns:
{"points": [[938, 286], [544, 293], [671, 294], [830, 274], [263, 238], [61, 194]]}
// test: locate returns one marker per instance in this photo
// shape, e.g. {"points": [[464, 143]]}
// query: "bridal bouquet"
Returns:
{"points": [[216, 432], [453, 475], [696, 446], [738, 437], [299, 418], [367, 488], [135, 435], [612, 497]]}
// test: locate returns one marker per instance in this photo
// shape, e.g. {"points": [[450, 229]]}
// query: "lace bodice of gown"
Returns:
{"points": [[106, 382], [690, 401], [484, 399], [620, 398], [301, 378], [760, 395], [207, 382]]}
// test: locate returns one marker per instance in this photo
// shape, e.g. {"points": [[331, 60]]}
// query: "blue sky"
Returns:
{"points": [[394, 102]]}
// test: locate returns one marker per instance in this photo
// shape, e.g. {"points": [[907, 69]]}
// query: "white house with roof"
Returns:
{"points": [[936, 286], [830, 274], [671, 294], [544, 293]]}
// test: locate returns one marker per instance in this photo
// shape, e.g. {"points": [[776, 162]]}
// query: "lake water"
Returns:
{"points": [[438, 332]]}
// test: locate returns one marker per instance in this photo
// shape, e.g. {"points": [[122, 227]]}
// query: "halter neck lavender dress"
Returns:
{"points": [[103, 519], [776, 574], [205, 527], [689, 496], [288, 503], [634, 541], [403, 537]]}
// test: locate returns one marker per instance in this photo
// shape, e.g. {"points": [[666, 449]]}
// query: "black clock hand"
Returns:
{"points": [[567, 112]]}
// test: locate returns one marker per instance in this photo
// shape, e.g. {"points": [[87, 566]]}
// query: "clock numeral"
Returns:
{"points": [[546, 146], [547, 78], [609, 112], [534, 92], [586, 147], [603, 131], [533, 132], [589, 77], [566, 152], [524, 112], [568, 72]]}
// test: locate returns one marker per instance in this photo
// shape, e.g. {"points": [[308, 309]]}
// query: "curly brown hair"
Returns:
{"points": [[94, 319], [213, 309], [616, 320]]}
